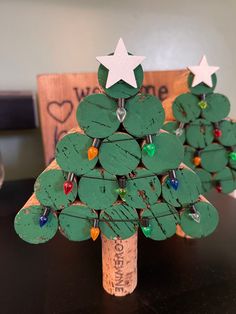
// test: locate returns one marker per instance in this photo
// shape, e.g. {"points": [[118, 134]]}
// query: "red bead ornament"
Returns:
{"points": [[219, 188], [217, 133], [68, 187]]}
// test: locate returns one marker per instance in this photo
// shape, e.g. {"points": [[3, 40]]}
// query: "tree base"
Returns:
{"points": [[119, 265]]}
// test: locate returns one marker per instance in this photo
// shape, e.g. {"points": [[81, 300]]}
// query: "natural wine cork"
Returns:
{"points": [[167, 105], [32, 201], [181, 233], [119, 265]]}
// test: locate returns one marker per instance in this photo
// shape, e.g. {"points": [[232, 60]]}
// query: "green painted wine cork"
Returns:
{"points": [[232, 158], [49, 190], [218, 107], [199, 133], [234, 177], [209, 219], [185, 108], [187, 192], [76, 222], [163, 219], [171, 127], [189, 154], [225, 178], [214, 157], [121, 89], [97, 189], [206, 179], [145, 115], [112, 228], [201, 88], [119, 154], [143, 188], [27, 225], [169, 153], [228, 136], [72, 153], [96, 115]]}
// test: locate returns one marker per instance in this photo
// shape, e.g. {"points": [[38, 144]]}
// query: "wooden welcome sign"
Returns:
{"points": [[60, 94]]}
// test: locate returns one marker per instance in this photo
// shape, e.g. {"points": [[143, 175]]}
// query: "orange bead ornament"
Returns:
{"points": [[92, 152], [94, 233], [197, 161]]}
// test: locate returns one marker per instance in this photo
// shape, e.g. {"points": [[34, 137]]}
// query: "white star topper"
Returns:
{"points": [[121, 65], [203, 72]]}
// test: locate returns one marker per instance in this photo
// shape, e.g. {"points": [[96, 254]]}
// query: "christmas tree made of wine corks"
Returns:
{"points": [[202, 126], [116, 173]]}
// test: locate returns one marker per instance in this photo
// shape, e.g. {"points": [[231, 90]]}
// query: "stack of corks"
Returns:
{"points": [[202, 125], [115, 174]]}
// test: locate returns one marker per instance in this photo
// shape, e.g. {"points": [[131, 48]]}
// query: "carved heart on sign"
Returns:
{"points": [[60, 111]]}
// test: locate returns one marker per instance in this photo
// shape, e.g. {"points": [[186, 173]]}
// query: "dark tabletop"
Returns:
{"points": [[175, 276]]}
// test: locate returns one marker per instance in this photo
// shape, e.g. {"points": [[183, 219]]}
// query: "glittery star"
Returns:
{"points": [[203, 72], [121, 65]]}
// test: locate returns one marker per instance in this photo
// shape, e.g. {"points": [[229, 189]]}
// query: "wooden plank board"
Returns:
{"points": [[59, 95]]}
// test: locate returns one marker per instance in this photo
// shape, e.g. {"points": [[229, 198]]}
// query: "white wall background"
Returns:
{"points": [[41, 36]]}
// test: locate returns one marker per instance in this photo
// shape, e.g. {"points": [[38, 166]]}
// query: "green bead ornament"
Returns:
{"points": [[202, 104], [150, 149], [232, 156], [122, 193], [147, 231]]}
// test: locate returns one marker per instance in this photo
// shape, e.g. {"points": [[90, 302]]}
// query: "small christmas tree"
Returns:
{"points": [[203, 127], [115, 174]]}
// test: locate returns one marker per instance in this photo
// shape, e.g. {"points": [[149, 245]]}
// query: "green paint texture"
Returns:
{"points": [[27, 226], [96, 115]]}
